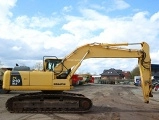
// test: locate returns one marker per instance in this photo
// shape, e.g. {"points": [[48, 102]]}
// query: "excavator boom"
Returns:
{"points": [[100, 50]]}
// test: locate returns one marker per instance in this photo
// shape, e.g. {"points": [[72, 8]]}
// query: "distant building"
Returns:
{"points": [[96, 78], [115, 74], [127, 74], [112, 74]]}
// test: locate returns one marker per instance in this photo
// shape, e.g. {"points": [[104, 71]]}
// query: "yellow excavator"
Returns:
{"points": [[55, 79]]}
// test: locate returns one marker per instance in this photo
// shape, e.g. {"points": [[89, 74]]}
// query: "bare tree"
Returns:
{"points": [[1, 64], [38, 66], [135, 72]]}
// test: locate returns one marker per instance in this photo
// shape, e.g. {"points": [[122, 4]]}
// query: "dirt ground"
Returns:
{"points": [[110, 102]]}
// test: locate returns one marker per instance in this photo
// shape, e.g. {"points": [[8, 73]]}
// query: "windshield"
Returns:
{"points": [[51, 64]]}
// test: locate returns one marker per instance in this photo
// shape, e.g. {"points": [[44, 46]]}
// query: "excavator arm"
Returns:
{"points": [[102, 50]]}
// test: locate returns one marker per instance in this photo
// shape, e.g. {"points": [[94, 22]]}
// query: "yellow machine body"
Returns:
{"points": [[34, 80], [57, 73]]}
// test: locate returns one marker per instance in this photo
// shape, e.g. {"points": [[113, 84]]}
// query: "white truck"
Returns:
{"points": [[137, 80]]}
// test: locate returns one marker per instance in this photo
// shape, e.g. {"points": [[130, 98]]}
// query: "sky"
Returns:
{"points": [[31, 29]]}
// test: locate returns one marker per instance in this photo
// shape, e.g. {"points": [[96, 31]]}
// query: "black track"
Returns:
{"points": [[48, 103]]}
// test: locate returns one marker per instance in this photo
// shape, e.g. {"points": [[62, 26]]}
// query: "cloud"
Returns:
{"points": [[16, 48], [154, 57], [114, 5], [26, 39], [90, 22], [112, 29], [67, 8], [36, 22], [155, 17], [121, 4], [5, 8]]}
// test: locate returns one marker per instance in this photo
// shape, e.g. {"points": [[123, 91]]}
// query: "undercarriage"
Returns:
{"points": [[41, 102]]}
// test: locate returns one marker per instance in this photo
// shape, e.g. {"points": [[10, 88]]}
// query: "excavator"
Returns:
{"points": [[55, 79]]}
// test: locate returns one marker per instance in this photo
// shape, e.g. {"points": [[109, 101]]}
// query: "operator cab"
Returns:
{"points": [[50, 62]]}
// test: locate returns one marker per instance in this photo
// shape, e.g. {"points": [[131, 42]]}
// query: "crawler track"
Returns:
{"points": [[48, 103]]}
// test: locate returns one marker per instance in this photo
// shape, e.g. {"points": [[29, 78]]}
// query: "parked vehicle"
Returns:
{"points": [[156, 87], [137, 80]]}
